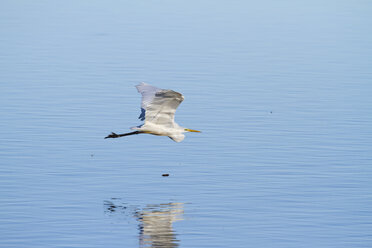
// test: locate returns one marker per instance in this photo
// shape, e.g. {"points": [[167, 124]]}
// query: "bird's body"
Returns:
{"points": [[157, 110], [175, 133]]}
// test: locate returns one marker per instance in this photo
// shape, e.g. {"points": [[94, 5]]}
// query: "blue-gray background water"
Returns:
{"points": [[281, 90]]}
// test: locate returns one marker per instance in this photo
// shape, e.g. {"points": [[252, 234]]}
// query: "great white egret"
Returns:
{"points": [[157, 110]]}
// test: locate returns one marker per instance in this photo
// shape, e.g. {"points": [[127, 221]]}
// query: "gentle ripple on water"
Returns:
{"points": [[281, 91]]}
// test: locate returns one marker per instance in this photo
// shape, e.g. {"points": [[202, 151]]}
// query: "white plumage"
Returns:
{"points": [[157, 110]]}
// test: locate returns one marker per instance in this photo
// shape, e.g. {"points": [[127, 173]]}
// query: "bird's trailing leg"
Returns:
{"points": [[114, 135]]}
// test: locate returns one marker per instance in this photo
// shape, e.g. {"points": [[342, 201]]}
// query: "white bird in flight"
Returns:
{"points": [[157, 110]]}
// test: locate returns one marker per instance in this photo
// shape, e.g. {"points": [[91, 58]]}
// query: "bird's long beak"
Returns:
{"points": [[190, 130]]}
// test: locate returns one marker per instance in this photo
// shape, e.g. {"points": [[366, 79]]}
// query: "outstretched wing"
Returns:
{"points": [[159, 106], [148, 93]]}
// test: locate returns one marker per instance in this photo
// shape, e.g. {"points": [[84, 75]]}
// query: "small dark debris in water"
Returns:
{"points": [[271, 112], [165, 175], [92, 155]]}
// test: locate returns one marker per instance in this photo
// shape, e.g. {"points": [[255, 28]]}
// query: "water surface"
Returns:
{"points": [[281, 90]]}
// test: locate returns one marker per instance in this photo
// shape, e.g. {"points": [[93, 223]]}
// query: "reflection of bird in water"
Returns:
{"points": [[156, 225], [155, 222], [157, 110]]}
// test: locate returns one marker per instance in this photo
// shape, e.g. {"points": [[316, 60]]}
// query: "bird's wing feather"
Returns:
{"points": [[159, 106], [163, 107], [148, 93]]}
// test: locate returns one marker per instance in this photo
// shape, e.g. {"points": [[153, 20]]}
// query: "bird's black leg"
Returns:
{"points": [[114, 135]]}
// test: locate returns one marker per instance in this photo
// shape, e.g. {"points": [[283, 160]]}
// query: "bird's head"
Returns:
{"points": [[191, 130]]}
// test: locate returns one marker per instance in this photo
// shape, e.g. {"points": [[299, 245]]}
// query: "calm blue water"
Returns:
{"points": [[281, 90]]}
